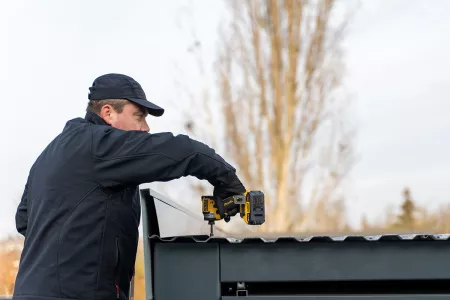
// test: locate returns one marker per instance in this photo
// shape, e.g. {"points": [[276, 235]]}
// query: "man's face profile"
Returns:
{"points": [[132, 117]]}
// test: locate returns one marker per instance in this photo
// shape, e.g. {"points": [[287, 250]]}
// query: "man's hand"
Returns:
{"points": [[222, 192], [227, 208], [234, 188]]}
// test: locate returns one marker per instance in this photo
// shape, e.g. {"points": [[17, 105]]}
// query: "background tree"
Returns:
{"points": [[10, 251], [277, 114], [408, 207], [413, 218], [139, 274]]}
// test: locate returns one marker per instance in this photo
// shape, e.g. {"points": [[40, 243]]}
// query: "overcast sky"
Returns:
{"points": [[397, 59]]}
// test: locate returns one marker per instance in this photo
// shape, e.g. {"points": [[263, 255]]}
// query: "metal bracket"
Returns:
{"points": [[241, 289]]}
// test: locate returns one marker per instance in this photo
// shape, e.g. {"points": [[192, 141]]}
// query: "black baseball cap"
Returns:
{"points": [[119, 86]]}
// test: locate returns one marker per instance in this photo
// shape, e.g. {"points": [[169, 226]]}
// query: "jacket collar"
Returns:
{"points": [[95, 119]]}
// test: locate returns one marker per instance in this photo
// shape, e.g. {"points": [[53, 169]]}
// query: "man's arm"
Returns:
{"points": [[22, 213], [132, 157]]}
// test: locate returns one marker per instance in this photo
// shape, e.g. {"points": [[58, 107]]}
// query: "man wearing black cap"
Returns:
{"points": [[80, 209]]}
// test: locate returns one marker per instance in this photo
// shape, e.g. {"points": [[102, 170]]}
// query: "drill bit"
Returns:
{"points": [[211, 224]]}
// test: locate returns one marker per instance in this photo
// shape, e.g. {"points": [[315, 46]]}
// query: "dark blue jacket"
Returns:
{"points": [[80, 209]]}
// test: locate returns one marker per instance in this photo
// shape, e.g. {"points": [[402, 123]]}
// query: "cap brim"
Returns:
{"points": [[153, 109]]}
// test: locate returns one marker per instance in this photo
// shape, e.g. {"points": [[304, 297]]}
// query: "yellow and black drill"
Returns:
{"points": [[251, 208]]}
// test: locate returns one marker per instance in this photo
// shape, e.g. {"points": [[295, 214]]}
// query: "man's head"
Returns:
{"points": [[121, 102]]}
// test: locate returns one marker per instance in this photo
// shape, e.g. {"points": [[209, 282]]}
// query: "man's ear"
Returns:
{"points": [[106, 113]]}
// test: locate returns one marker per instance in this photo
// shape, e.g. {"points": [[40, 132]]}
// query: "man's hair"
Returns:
{"points": [[95, 106]]}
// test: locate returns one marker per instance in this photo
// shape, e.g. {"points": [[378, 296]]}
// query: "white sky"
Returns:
{"points": [[397, 58]]}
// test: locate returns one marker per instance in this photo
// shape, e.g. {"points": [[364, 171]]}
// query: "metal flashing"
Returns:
{"points": [[309, 239]]}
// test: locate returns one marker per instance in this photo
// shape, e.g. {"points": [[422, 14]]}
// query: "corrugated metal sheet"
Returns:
{"points": [[291, 239]]}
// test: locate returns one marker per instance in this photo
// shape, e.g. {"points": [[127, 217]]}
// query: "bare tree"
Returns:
{"points": [[10, 251], [278, 73]]}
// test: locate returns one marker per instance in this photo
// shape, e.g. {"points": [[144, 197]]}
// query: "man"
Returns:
{"points": [[80, 209]]}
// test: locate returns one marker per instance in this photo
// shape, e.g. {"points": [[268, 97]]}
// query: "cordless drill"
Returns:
{"points": [[251, 208]]}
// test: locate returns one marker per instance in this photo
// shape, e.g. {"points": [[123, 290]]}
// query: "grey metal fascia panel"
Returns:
{"points": [[189, 271], [334, 262], [412, 257]]}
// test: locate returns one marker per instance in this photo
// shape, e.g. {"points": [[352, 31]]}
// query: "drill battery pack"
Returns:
{"points": [[253, 209]]}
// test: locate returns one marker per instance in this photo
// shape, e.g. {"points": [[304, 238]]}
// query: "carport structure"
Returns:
{"points": [[197, 267]]}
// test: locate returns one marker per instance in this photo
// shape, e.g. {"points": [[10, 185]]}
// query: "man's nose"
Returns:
{"points": [[145, 127]]}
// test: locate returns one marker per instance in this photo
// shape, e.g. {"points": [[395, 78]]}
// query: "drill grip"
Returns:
{"points": [[216, 209]]}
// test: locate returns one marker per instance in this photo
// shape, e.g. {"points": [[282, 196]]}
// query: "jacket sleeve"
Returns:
{"points": [[22, 213], [134, 157]]}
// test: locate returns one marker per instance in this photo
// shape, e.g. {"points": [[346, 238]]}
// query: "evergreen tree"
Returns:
{"points": [[406, 219]]}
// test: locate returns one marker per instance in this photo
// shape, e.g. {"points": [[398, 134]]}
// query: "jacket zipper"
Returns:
{"points": [[117, 269]]}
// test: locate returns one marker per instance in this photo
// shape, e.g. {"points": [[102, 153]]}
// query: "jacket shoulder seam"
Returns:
{"points": [[159, 153], [118, 157]]}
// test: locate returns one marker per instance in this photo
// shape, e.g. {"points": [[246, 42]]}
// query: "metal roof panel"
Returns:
{"points": [[293, 239]]}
